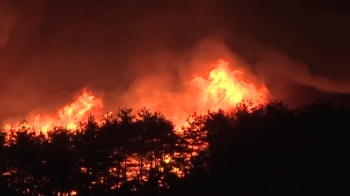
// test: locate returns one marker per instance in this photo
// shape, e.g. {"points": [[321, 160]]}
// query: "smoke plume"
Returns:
{"points": [[139, 53]]}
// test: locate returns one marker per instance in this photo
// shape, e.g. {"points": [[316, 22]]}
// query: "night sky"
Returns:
{"points": [[49, 50]]}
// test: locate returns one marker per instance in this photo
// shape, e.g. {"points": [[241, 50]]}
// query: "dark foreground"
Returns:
{"points": [[271, 150]]}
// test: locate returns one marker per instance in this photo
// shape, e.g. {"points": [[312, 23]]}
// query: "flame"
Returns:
{"points": [[69, 116], [224, 89]]}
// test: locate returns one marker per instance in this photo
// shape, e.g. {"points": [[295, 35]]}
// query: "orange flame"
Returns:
{"points": [[222, 90], [69, 116]]}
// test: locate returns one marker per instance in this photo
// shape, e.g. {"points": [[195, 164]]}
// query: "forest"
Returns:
{"points": [[270, 149]]}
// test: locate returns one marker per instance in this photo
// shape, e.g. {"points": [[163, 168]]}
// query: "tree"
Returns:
{"points": [[265, 150]]}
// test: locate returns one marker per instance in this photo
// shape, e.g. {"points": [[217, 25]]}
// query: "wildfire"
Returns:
{"points": [[223, 89], [69, 116]]}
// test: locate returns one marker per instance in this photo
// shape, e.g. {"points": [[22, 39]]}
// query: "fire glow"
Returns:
{"points": [[222, 90], [68, 117]]}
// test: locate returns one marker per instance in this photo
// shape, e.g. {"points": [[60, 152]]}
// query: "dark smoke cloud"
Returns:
{"points": [[293, 42], [49, 50]]}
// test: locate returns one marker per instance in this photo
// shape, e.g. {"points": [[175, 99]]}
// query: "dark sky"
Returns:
{"points": [[49, 50]]}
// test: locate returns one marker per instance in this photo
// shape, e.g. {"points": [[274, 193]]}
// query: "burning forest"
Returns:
{"points": [[145, 151], [222, 89], [174, 97]]}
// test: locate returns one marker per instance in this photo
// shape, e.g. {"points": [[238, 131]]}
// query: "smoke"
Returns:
{"points": [[293, 44], [166, 85], [7, 21], [299, 73], [143, 53]]}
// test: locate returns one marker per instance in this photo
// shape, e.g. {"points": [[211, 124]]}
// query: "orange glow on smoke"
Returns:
{"points": [[223, 89]]}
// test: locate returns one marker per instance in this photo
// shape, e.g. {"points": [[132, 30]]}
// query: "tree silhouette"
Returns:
{"points": [[263, 150]]}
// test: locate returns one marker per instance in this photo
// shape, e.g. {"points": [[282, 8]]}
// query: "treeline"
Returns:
{"points": [[267, 150]]}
